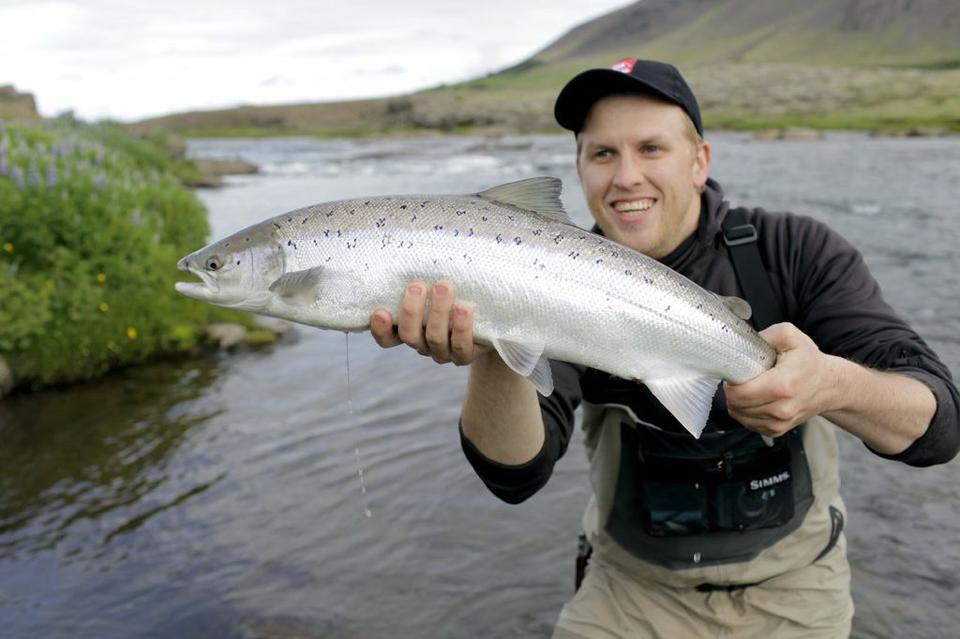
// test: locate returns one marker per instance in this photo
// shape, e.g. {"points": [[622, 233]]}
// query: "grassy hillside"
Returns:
{"points": [[851, 64]]}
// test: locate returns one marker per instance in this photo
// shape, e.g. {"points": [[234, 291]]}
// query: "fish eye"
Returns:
{"points": [[214, 262]]}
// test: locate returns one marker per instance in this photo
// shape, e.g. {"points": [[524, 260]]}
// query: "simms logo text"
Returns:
{"points": [[766, 482]]}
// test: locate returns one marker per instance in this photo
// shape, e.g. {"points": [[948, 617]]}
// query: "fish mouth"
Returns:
{"points": [[207, 288]]}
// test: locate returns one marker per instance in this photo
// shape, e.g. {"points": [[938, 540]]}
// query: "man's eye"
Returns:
{"points": [[651, 148], [602, 154]]}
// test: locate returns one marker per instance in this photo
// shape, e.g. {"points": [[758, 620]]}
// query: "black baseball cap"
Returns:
{"points": [[629, 75]]}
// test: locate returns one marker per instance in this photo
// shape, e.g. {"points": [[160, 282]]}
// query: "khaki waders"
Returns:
{"points": [[798, 589]]}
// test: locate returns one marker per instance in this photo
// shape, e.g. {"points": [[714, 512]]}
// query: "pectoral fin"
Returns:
{"points": [[688, 399], [298, 287], [527, 360]]}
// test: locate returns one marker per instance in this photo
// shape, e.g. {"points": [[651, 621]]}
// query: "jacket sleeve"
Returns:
{"points": [[836, 301], [514, 484]]}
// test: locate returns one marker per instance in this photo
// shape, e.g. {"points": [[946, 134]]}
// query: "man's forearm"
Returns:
{"points": [[888, 411], [501, 414]]}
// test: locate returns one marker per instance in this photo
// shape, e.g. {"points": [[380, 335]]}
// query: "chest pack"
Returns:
{"points": [[681, 502]]}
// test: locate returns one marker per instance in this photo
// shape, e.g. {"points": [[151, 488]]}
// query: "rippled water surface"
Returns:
{"points": [[222, 498]]}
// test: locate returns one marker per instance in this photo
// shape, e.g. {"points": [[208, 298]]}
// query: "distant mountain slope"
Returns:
{"points": [[919, 33], [867, 64]]}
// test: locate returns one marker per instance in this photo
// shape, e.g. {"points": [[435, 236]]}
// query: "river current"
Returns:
{"points": [[221, 497]]}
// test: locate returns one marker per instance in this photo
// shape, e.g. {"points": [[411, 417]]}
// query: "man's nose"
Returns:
{"points": [[629, 172]]}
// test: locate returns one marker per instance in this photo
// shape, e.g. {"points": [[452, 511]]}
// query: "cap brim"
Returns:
{"points": [[578, 96]]}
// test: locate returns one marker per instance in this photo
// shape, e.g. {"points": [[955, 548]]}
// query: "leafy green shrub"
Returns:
{"points": [[92, 222]]}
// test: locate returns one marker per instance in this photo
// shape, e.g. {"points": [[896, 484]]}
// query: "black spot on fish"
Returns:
{"points": [[409, 244], [456, 232], [461, 212], [315, 242], [470, 234], [403, 206], [352, 211], [328, 258], [367, 203], [304, 221], [438, 227], [423, 204], [246, 239], [277, 225], [647, 280], [499, 238], [558, 238], [599, 262], [326, 232], [226, 245], [537, 232], [329, 213], [414, 218], [510, 217], [238, 262], [484, 218], [339, 232], [628, 272], [289, 242], [666, 310], [573, 255], [517, 241]]}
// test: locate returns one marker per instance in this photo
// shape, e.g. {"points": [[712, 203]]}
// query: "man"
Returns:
{"points": [[725, 535]]}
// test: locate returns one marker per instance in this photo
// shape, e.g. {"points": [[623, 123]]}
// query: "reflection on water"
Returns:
{"points": [[96, 454], [221, 498]]}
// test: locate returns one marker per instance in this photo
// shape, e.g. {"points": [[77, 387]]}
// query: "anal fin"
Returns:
{"points": [[689, 399]]}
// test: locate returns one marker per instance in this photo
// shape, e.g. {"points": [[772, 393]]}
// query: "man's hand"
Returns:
{"points": [[800, 385], [447, 335]]}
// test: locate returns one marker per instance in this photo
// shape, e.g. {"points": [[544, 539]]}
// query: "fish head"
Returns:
{"points": [[235, 272]]}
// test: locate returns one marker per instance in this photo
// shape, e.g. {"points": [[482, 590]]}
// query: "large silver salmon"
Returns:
{"points": [[540, 287]]}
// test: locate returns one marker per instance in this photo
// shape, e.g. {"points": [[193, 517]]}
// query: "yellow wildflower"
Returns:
{"points": [[101, 277], [131, 332], [8, 247], [104, 307]]}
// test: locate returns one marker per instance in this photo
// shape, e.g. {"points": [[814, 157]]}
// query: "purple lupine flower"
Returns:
{"points": [[51, 174], [33, 175], [16, 174], [100, 181], [4, 165]]}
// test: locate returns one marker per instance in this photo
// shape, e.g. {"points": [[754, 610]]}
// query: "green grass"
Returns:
{"points": [[92, 222]]}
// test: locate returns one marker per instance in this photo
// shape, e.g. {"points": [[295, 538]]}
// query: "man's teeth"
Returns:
{"points": [[633, 205]]}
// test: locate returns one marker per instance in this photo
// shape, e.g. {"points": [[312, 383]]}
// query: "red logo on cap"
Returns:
{"points": [[624, 66]]}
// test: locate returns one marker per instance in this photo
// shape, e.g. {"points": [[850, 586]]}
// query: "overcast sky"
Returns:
{"points": [[132, 59]]}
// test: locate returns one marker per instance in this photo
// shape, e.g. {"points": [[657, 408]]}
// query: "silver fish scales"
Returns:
{"points": [[540, 287]]}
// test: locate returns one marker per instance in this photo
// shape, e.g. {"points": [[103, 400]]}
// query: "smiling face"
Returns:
{"points": [[642, 171]]}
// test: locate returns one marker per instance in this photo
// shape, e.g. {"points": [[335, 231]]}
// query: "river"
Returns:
{"points": [[228, 496]]}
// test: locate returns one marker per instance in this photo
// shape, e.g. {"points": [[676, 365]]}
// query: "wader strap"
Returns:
{"points": [[836, 527], [741, 240]]}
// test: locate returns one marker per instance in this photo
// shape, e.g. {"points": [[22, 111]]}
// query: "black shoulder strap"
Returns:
{"points": [[741, 240]]}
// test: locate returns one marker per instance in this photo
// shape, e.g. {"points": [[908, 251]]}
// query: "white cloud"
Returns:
{"points": [[107, 58]]}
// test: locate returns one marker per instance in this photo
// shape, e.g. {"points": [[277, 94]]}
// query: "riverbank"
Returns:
{"points": [[92, 223], [894, 101]]}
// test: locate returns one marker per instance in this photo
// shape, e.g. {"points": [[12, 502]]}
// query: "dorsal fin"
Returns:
{"points": [[540, 195]]}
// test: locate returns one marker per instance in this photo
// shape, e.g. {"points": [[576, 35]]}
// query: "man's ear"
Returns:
{"points": [[701, 164]]}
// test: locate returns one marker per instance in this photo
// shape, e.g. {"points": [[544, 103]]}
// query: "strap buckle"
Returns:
{"points": [[743, 234]]}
